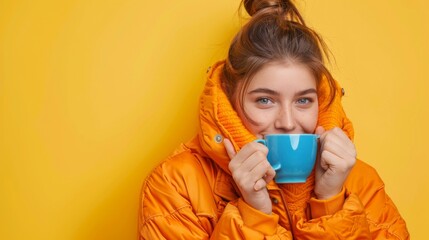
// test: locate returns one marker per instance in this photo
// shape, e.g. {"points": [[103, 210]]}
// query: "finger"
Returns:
{"points": [[319, 130], [339, 149], [249, 149], [338, 143], [340, 133], [345, 141], [269, 176], [257, 159], [260, 184], [333, 164], [229, 148], [263, 171], [342, 136], [326, 160]]}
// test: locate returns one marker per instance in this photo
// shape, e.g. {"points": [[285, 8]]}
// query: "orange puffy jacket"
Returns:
{"points": [[191, 195]]}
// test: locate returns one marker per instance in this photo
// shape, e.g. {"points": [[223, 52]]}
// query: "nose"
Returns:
{"points": [[285, 121]]}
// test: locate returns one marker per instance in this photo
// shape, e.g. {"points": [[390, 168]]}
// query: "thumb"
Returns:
{"points": [[229, 148], [319, 130]]}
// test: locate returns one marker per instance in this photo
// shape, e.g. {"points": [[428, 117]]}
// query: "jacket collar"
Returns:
{"points": [[218, 120]]}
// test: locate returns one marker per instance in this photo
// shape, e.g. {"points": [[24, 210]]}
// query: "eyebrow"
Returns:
{"points": [[275, 93], [304, 92], [264, 90]]}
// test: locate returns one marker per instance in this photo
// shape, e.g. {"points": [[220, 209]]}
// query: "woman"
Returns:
{"points": [[220, 184]]}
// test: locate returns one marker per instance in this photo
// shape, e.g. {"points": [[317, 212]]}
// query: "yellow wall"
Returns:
{"points": [[94, 93]]}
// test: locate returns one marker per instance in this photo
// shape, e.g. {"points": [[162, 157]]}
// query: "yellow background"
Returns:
{"points": [[94, 93]]}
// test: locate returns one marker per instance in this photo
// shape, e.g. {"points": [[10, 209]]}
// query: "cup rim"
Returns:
{"points": [[291, 134]]}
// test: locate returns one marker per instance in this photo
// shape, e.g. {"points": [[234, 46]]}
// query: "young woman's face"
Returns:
{"points": [[281, 98]]}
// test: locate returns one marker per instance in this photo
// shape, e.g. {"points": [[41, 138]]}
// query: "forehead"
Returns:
{"points": [[283, 76]]}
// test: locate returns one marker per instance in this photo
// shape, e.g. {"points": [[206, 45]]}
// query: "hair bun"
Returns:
{"points": [[253, 6], [284, 10], [248, 6]]}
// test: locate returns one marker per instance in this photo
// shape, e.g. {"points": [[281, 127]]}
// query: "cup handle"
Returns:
{"points": [[276, 165]]}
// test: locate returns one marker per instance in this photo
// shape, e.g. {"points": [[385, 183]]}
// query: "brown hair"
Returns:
{"points": [[276, 32]]}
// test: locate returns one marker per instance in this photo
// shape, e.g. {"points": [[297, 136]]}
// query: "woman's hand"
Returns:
{"points": [[337, 156], [251, 172]]}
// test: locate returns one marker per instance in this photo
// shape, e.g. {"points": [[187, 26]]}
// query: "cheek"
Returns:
{"points": [[308, 120], [257, 121], [312, 120], [254, 121]]}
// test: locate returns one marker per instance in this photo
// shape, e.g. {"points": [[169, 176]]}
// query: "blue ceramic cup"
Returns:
{"points": [[291, 155]]}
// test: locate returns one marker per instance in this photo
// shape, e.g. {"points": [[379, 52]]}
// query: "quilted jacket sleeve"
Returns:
{"points": [[384, 219], [172, 207], [167, 208], [367, 212], [347, 223], [240, 221]]}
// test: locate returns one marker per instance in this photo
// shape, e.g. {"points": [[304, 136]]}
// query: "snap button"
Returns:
{"points": [[218, 138], [343, 91], [275, 200]]}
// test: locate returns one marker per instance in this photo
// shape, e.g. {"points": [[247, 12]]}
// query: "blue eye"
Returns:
{"points": [[303, 101], [263, 101]]}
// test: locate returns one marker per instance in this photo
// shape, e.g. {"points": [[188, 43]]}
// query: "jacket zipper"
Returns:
{"points": [[287, 213]]}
